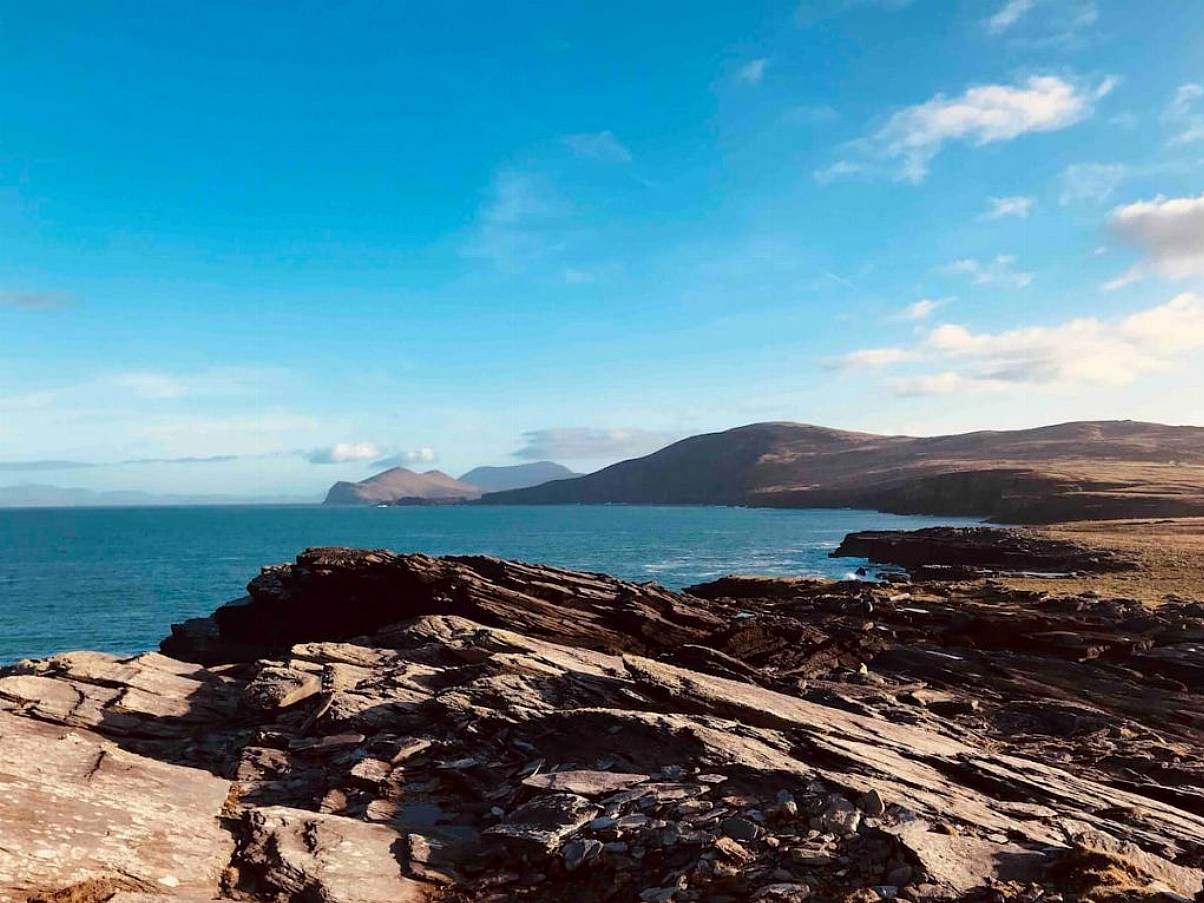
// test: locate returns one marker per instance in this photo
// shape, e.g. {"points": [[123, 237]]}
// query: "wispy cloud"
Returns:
{"points": [[1184, 115], [1170, 233], [839, 170], [191, 459], [35, 300], [752, 72], [1091, 182], [922, 309], [1081, 352], [158, 385], [408, 458], [997, 271], [1008, 15], [1015, 206], [54, 464], [985, 114], [518, 223], [591, 443], [602, 147]]}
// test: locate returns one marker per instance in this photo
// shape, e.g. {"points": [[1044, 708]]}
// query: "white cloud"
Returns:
{"points": [[1184, 116], [984, 114], [1170, 232], [752, 72], [922, 309], [1008, 15], [603, 147], [997, 271], [1080, 352], [1092, 182], [588, 443], [344, 453], [1017, 206]]}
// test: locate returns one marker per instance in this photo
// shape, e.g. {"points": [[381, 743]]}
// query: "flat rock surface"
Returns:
{"points": [[77, 807], [528, 733]]}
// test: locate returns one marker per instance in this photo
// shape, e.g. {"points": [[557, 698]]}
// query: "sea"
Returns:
{"points": [[115, 579]]}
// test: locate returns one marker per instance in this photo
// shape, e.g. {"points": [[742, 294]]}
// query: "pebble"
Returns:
{"points": [[579, 852], [840, 816], [872, 803], [739, 828]]}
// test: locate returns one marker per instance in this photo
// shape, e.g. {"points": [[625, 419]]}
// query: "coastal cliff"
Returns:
{"points": [[366, 726]]}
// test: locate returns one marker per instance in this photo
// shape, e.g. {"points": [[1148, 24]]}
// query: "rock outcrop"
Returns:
{"points": [[960, 552], [407, 728]]}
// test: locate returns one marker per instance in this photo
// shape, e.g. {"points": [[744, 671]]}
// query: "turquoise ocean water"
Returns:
{"points": [[114, 579]]}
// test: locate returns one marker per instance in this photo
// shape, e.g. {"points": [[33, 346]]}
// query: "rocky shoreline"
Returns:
{"points": [[366, 726]]}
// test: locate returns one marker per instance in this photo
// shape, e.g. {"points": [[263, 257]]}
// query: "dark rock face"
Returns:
{"points": [[479, 730], [338, 594], [960, 552]]}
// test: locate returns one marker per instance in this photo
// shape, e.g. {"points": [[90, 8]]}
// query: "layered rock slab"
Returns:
{"points": [[576, 758]]}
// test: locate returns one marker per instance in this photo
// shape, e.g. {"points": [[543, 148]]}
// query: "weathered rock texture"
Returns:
{"points": [[470, 729]]}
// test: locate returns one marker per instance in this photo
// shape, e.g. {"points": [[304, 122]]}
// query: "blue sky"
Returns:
{"points": [[299, 240]]}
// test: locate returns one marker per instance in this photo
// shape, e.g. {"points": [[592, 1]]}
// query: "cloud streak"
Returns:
{"points": [[408, 458], [752, 72], [1008, 15], [997, 271], [1183, 114], [1015, 206], [590, 443], [601, 147], [984, 114]]}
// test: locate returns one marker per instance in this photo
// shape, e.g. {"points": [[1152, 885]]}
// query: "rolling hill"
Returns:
{"points": [[516, 476], [398, 485], [1072, 471]]}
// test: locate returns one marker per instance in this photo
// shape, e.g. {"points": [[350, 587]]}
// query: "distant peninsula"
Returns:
{"points": [[517, 476], [400, 486]]}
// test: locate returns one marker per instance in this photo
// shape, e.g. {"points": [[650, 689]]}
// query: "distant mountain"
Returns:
{"points": [[517, 476], [1072, 471], [41, 496], [400, 484]]}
